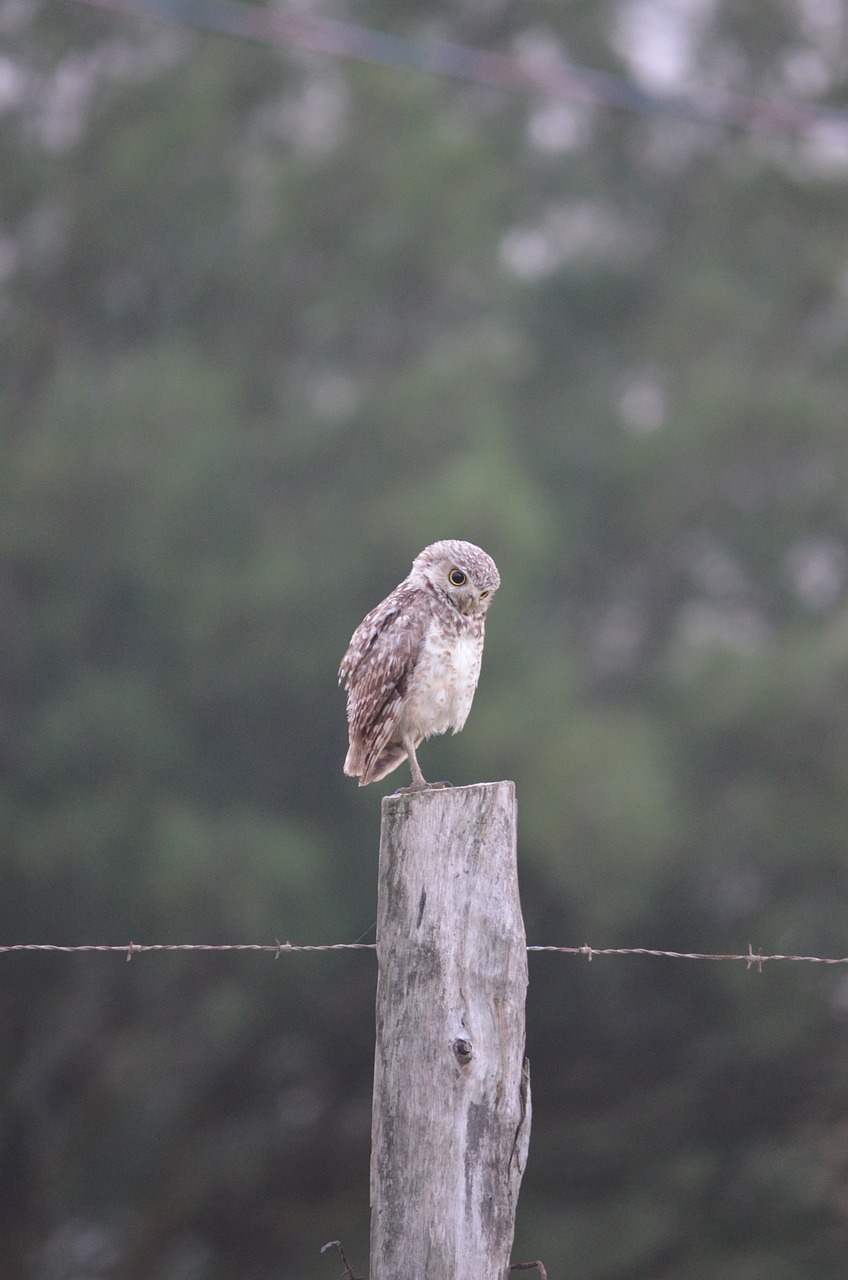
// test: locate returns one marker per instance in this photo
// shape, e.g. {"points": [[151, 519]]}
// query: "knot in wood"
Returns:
{"points": [[464, 1051]]}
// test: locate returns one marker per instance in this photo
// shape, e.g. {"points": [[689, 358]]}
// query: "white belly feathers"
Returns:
{"points": [[443, 686]]}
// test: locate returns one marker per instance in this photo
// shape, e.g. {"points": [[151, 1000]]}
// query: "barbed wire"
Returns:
{"points": [[558, 79], [137, 948], [751, 959]]}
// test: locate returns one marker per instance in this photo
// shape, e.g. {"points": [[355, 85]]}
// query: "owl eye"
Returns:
{"points": [[457, 577], [483, 595]]}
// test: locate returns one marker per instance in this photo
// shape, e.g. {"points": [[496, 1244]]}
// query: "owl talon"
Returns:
{"points": [[428, 786]]}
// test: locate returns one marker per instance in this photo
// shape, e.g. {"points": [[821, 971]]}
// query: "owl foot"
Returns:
{"points": [[428, 786]]}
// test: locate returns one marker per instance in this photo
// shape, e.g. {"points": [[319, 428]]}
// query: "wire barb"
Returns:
{"points": [[337, 1244]]}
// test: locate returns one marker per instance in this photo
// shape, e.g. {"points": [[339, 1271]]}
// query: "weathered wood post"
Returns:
{"points": [[451, 1119]]}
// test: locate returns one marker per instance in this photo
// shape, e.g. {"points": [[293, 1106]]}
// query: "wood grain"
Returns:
{"points": [[451, 1116]]}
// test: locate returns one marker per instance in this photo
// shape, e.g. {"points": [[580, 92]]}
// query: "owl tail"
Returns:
{"points": [[354, 760], [359, 764]]}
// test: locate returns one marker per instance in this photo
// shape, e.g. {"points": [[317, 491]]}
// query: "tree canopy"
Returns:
{"points": [[269, 323]]}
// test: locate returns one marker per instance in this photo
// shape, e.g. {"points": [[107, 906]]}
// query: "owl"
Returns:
{"points": [[412, 664]]}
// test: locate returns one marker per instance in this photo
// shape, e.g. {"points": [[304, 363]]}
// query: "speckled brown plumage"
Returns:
{"points": [[412, 665]]}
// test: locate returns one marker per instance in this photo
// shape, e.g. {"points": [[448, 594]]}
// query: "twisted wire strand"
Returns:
{"points": [[751, 959]]}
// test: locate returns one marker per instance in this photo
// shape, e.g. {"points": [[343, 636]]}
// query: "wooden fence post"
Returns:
{"points": [[451, 1119]]}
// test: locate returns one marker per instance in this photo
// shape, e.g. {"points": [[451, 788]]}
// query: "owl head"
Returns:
{"points": [[460, 572]]}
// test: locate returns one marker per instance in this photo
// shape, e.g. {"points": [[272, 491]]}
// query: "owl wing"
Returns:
{"points": [[376, 670]]}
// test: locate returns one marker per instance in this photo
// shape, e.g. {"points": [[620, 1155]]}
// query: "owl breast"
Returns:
{"points": [[442, 688]]}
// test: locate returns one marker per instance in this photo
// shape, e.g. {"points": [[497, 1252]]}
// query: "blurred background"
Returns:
{"points": [[270, 322]]}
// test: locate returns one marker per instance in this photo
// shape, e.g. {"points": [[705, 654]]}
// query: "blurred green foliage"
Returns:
{"points": [[268, 325]]}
